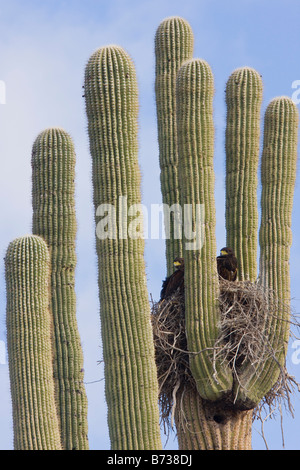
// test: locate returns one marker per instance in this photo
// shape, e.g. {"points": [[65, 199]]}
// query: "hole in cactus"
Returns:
{"points": [[219, 419]]}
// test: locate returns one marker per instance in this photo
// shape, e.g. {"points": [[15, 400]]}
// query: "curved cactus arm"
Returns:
{"points": [[195, 89], [174, 44], [130, 372], [278, 174], [243, 99], [54, 219], [29, 331]]}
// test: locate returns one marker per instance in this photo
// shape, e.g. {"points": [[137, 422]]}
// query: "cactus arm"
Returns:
{"points": [[278, 174], [195, 90], [243, 99], [173, 45], [29, 330], [54, 219], [128, 350]]}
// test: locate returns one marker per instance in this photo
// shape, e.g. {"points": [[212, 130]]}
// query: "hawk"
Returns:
{"points": [[227, 264], [174, 282]]}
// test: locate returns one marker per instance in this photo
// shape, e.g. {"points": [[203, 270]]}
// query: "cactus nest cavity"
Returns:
{"points": [[246, 310]]}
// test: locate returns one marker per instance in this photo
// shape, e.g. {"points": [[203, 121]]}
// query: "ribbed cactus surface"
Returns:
{"points": [[29, 332], [278, 174], [243, 100], [278, 177], [174, 43], [54, 219], [195, 90], [111, 95], [206, 427]]}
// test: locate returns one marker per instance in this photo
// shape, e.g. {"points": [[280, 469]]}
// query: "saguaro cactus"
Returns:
{"points": [[130, 372], [29, 330], [222, 394], [243, 99], [54, 219], [174, 43], [217, 394]]}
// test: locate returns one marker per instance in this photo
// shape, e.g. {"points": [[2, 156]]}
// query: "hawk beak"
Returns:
{"points": [[224, 253], [177, 263]]}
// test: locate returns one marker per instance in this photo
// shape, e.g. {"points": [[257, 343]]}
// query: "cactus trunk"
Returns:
{"points": [[130, 372], [53, 182], [29, 331], [209, 427]]}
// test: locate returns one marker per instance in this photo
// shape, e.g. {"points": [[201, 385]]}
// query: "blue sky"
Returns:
{"points": [[44, 47]]}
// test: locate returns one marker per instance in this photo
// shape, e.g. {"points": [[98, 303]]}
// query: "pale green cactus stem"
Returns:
{"points": [[111, 95], [29, 330], [174, 43], [278, 175], [195, 90], [54, 219], [243, 99]]}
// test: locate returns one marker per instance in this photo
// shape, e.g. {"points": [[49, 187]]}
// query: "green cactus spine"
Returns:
{"points": [[29, 330], [130, 372], [195, 89], [54, 219], [243, 99], [174, 44], [278, 174]]}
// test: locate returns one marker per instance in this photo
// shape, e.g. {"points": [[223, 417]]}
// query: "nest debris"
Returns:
{"points": [[246, 313], [171, 354], [247, 310]]}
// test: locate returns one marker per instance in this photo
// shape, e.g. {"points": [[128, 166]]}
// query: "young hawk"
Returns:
{"points": [[227, 264], [175, 281]]}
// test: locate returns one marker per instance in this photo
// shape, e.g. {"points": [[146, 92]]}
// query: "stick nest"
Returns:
{"points": [[247, 311]]}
